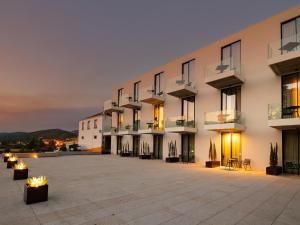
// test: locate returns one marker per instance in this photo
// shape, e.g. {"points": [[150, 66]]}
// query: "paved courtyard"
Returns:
{"points": [[110, 190]]}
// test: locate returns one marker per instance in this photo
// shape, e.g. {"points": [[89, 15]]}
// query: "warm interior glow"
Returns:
{"points": [[35, 156], [37, 181], [7, 154], [20, 166], [12, 159]]}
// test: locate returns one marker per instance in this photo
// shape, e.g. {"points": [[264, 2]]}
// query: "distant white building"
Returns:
{"points": [[90, 132]]}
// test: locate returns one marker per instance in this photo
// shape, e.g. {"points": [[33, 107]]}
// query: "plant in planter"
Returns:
{"points": [[274, 169], [172, 155], [212, 155], [145, 151]]}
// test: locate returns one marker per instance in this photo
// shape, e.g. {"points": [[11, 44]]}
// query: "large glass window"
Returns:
{"points": [[136, 94], [120, 120], [157, 83], [158, 116], [120, 93], [291, 151], [231, 99], [290, 95], [230, 147], [188, 70], [136, 119], [188, 110], [290, 35], [231, 56]]}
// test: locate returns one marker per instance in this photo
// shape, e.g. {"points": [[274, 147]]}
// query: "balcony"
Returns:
{"points": [[151, 127], [128, 102], [149, 96], [180, 124], [226, 120], [128, 129], [222, 75], [109, 131], [283, 118], [284, 55], [180, 88], [111, 106]]}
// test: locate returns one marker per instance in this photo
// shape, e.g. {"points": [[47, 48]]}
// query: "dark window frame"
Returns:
{"points": [[155, 83], [230, 45], [120, 94], [182, 68], [136, 96]]}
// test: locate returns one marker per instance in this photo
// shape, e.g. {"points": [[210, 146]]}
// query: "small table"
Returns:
{"points": [[180, 122], [294, 108], [232, 163], [222, 68], [150, 125]]}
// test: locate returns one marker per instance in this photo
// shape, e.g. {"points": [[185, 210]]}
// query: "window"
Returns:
{"points": [[157, 83], [136, 94], [95, 123], [290, 33], [95, 137], [231, 56], [136, 119], [231, 99], [120, 93], [120, 120], [188, 70], [82, 126], [158, 116], [82, 137], [188, 110], [290, 95], [88, 124]]}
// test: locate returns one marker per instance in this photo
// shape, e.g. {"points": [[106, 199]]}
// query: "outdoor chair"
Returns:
{"points": [[247, 163]]}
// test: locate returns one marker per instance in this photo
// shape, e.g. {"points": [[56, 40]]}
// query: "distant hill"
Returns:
{"points": [[27, 136]]}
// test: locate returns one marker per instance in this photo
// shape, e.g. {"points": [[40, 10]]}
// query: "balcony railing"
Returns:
{"points": [[149, 95], [111, 106], [180, 121], [107, 129], [227, 65], [152, 125], [179, 87], [222, 117], [284, 46], [128, 127], [128, 102], [276, 111]]}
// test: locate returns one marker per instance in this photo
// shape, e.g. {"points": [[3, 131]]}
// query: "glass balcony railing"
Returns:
{"points": [[223, 116], [276, 111], [109, 129], [152, 125], [128, 127], [284, 46], [180, 121], [149, 92], [224, 66]]}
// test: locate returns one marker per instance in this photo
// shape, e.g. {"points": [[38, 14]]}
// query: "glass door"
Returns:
{"points": [[230, 147], [119, 144], [107, 145], [291, 153], [290, 96], [157, 146], [188, 148], [136, 144]]}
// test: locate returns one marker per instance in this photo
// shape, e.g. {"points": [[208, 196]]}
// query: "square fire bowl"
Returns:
{"points": [[5, 158], [35, 194], [172, 159], [21, 174], [10, 164]]}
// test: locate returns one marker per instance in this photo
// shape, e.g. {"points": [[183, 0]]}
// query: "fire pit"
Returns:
{"points": [[11, 162], [6, 156], [36, 190], [20, 171]]}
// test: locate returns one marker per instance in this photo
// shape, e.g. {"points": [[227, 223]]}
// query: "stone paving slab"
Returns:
{"points": [[109, 190]]}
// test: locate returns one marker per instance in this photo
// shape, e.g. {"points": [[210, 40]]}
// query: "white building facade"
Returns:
{"points": [[241, 93]]}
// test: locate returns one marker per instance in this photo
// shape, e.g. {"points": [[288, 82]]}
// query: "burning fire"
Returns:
{"points": [[7, 154], [12, 159], [37, 181], [20, 166]]}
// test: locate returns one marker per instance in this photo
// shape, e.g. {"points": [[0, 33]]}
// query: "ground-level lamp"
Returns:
{"points": [[36, 190], [20, 171], [11, 161]]}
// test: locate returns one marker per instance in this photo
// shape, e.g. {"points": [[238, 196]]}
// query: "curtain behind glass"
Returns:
{"points": [[288, 32], [291, 150], [226, 56], [290, 96], [236, 56]]}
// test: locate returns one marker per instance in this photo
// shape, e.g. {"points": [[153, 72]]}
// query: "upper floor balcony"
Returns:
{"points": [[283, 117], [180, 88], [180, 124], [111, 106], [128, 102], [225, 120], [128, 129], [151, 127], [109, 131], [221, 74], [284, 55], [149, 95]]}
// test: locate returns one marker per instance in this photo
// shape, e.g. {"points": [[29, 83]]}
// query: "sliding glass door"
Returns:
{"points": [[136, 145], [188, 148], [231, 56], [290, 96], [290, 35], [230, 147], [157, 146], [291, 151]]}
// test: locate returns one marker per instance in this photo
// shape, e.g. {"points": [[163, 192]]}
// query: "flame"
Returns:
{"points": [[12, 159], [7, 154], [20, 166], [35, 156], [37, 181]]}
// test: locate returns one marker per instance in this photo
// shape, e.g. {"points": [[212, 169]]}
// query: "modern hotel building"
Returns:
{"points": [[240, 92]]}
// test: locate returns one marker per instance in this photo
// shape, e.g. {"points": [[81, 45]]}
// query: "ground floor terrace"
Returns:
{"points": [[105, 189]]}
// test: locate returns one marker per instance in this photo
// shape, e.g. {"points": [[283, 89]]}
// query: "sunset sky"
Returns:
{"points": [[60, 58]]}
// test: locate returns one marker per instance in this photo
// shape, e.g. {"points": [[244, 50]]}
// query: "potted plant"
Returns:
{"points": [[145, 151], [274, 169], [212, 155], [172, 155]]}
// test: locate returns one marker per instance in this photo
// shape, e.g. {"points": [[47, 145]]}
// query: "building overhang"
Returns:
{"points": [[286, 63], [151, 131], [282, 124], [225, 79], [154, 99], [182, 91], [181, 130], [225, 127]]}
